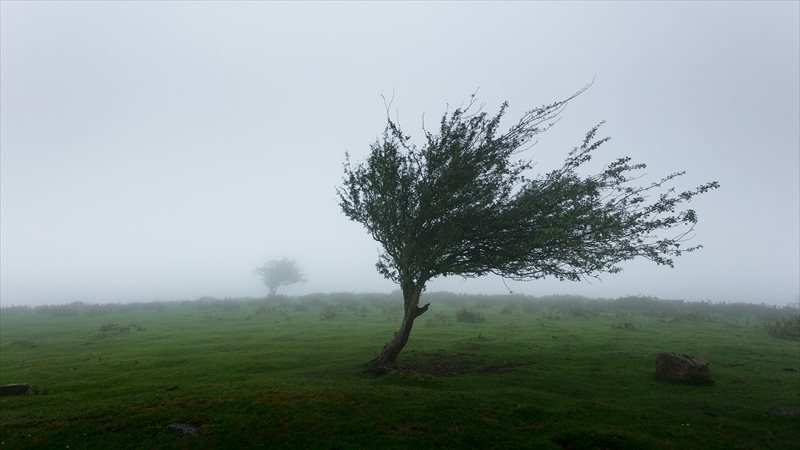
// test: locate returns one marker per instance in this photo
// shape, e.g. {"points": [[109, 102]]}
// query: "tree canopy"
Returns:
{"points": [[280, 272], [462, 204]]}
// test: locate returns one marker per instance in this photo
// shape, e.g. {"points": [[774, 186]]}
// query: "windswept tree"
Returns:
{"points": [[462, 204], [280, 272]]}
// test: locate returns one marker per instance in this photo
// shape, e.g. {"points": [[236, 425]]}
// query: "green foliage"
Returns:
{"points": [[462, 205], [280, 272], [469, 316], [786, 328], [630, 326]]}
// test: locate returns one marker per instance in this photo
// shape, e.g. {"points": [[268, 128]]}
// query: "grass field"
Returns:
{"points": [[288, 373]]}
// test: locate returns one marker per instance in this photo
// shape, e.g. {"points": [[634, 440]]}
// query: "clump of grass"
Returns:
{"points": [[439, 319], [786, 328], [39, 390], [626, 326], [469, 316], [691, 317], [109, 328]]}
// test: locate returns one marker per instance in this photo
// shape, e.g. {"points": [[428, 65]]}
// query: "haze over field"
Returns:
{"points": [[162, 151]]}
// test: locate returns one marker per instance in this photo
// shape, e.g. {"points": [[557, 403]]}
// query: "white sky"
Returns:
{"points": [[162, 151]]}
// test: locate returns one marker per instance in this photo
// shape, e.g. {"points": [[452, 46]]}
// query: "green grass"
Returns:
{"points": [[289, 374]]}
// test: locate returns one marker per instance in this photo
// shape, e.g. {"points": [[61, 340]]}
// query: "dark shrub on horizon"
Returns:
{"points": [[786, 328], [566, 305], [13, 310], [469, 316]]}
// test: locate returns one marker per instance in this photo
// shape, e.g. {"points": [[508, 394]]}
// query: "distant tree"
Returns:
{"points": [[462, 205], [280, 272]]}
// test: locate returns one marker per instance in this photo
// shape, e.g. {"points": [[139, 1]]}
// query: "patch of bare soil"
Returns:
{"points": [[446, 364]]}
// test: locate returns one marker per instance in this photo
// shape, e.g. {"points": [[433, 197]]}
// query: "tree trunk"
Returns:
{"points": [[386, 360], [273, 290]]}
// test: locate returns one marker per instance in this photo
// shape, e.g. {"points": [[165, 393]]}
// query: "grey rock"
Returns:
{"points": [[788, 412], [184, 428], [13, 389], [682, 368]]}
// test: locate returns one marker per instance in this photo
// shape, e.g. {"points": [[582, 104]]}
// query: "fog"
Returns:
{"points": [[163, 151]]}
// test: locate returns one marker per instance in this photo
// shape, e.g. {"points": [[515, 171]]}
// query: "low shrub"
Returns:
{"points": [[625, 326], [469, 316], [108, 328], [13, 310], [786, 328], [691, 317]]}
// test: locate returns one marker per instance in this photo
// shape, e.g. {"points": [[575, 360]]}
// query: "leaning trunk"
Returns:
{"points": [[386, 360]]}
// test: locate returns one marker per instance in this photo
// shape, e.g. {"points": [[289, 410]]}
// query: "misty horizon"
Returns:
{"points": [[164, 151]]}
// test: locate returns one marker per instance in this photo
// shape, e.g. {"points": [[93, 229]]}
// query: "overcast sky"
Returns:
{"points": [[162, 151]]}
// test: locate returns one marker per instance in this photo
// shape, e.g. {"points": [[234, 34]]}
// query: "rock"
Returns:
{"points": [[13, 389], [681, 368], [184, 428], [788, 412]]}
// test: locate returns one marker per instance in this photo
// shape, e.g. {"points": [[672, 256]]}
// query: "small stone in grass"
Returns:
{"points": [[184, 428]]}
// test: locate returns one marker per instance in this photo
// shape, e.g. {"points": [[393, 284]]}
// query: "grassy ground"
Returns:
{"points": [[289, 374]]}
